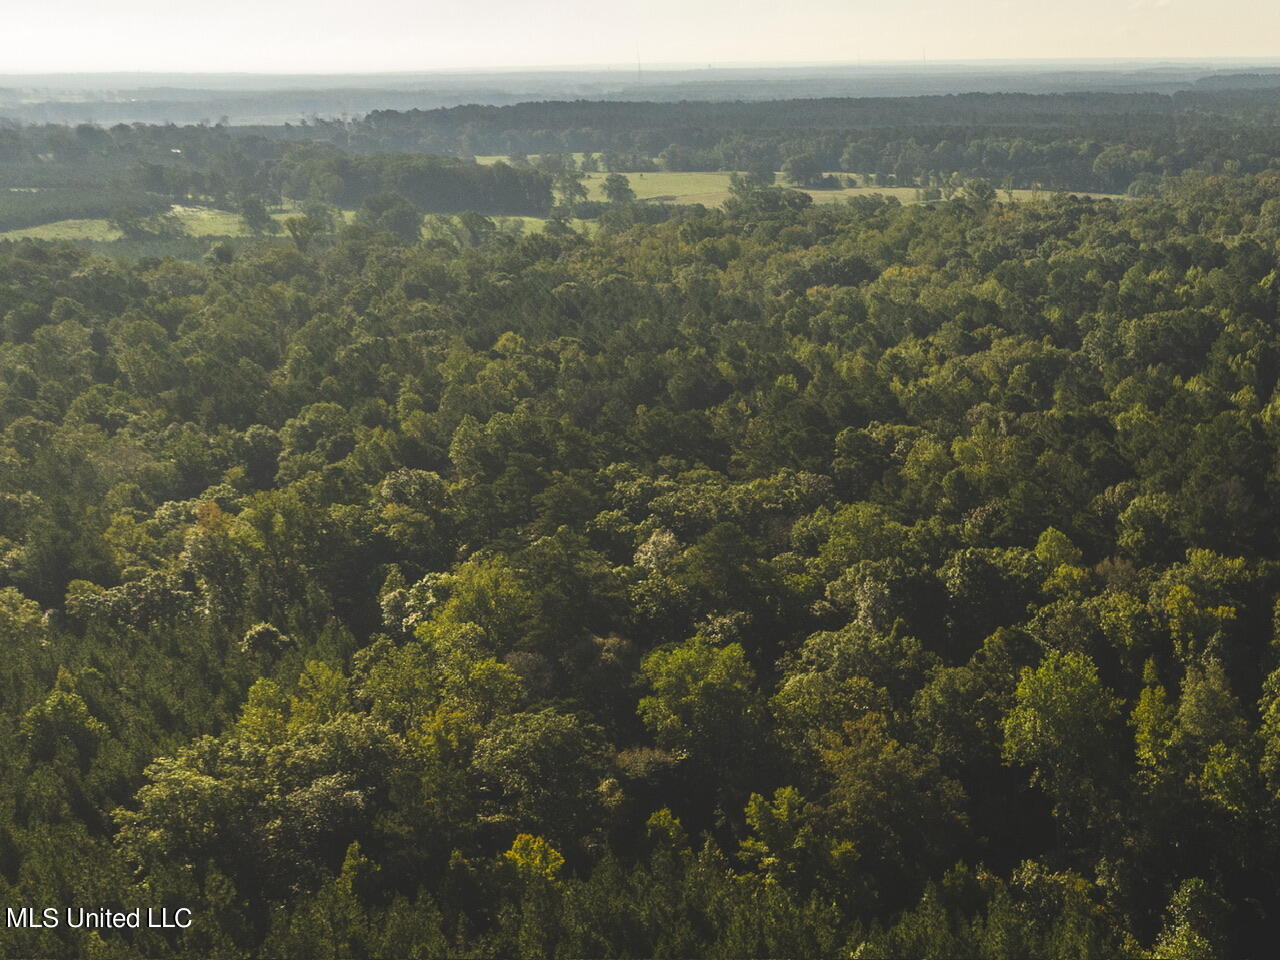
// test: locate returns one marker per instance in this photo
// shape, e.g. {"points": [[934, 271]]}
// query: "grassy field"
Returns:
{"points": [[710, 189], [191, 221], [208, 222], [663, 186], [66, 230], [538, 224], [198, 222], [577, 158]]}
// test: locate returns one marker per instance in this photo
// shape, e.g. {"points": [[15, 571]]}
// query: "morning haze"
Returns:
{"points": [[328, 36]]}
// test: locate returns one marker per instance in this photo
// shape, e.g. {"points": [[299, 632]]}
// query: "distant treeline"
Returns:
{"points": [[1103, 142], [705, 122], [1241, 81], [19, 208], [1054, 140], [97, 171], [433, 184], [322, 173]]}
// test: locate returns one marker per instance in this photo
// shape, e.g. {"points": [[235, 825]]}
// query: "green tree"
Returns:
{"points": [[304, 231], [703, 704], [1062, 726], [803, 170], [255, 215], [393, 214], [544, 770], [617, 188]]}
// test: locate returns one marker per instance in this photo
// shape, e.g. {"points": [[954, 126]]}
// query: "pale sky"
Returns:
{"points": [[331, 36]]}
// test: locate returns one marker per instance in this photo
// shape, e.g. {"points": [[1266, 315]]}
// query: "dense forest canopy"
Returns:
{"points": [[870, 579]]}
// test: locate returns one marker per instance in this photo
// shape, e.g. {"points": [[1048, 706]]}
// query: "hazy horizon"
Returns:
{"points": [[679, 66], [396, 36], [256, 98]]}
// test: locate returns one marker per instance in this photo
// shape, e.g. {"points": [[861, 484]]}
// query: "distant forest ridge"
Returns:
{"points": [[550, 159], [270, 99], [992, 109]]}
